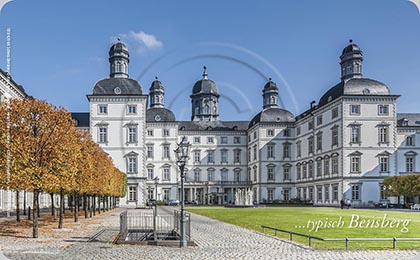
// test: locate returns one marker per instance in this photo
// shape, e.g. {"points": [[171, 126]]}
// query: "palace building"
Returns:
{"points": [[341, 148]]}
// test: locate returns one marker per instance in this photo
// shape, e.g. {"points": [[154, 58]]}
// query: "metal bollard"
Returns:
{"points": [[291, 236], [347, 243], [310, 241], [394, 243]]}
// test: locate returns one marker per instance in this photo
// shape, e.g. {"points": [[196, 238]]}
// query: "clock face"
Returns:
{"points": [[157, 118], [117, 90], [366, 91]]}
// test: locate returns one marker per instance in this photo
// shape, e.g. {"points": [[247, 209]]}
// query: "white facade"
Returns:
{"points": [[341, 148]]}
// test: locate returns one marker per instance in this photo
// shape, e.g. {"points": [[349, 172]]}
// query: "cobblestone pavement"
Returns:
{"points": [[216, 240]]}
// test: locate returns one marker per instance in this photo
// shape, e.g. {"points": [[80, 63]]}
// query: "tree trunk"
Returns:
{"points": [[17, 207], [52, 206], [35, 215], [60, 218], [103, 203], [90, 206], [37, 206], [24, 203], [85, 205], [94, 205], [76, 207]]}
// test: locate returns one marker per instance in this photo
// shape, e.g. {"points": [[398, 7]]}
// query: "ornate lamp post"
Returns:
{"points": [[156, 179], [182, 155]]}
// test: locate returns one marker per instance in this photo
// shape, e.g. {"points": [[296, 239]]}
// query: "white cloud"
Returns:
{"points": [[148, 40]]}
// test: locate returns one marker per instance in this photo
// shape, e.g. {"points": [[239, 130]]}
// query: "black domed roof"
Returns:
{"points": [[205, 86], [355, 86], [118, 47], [270, 85], [274, 114], [159, 114], [117, 86], [156, 84], [351, 48]]}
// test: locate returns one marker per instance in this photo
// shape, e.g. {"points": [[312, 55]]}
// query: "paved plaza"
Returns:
{"points": [[215, 239]]}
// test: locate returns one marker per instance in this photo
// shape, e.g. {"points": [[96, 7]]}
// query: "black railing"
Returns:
{"points": [[346, 239]]}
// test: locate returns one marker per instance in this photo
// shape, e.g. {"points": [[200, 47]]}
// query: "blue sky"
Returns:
{"points": [[60, 48]]}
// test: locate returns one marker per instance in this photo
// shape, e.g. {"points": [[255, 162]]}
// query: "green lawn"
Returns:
{"points": [[303, 219]]}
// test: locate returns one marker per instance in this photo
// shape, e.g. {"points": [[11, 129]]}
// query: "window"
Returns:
{"points": [[298, 172], [310, 145], [310, 125], [150, 193], [132, 134], [236, 140], [355, 134], [286, 194], [299, 149], [383, 110], [270, 152], [304, 169], [103, 134], [210, 156], [270, 132], [319, 141], [298, 130], [255, 152], [382, 195], [197, 140], [165, 132], [210, 140], [409, 164], [410, 141], [319, 168], [304, 193], [326, 166], [249, 154], [210, 175], [223, 140], [150, 151], [132, 193], [334, 165], [286, 151], [132, 164], [270, 194], [150, 173], [355, 164], [286, 132], [197, 175], [310, 169], [255, 174], [286, 173], [319, 193], [165, 194], [149, 132], [197, 156], [334, 113], [270, 173], [383, 164], [355, 192], [223, 156], [335, 192], [334, 136], [103, 109], [311, 193], [237, 157], [166, 174], [319, 120], [327, 193], [237, 175], [383, 134], [248, 174], [131, 109], [354, 109], [224, 175], [255, 135], [166, 153]]}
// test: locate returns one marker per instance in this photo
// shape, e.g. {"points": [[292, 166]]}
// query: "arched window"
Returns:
{"points": [[118, 67], [206, 109]]}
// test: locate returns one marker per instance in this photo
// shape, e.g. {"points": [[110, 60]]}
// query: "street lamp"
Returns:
{"points": [[156, 179], [182, 155]]}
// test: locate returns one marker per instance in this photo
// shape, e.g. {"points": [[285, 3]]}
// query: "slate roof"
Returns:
{"points": [[107, 86], [205, 86], [411, 119], [213, 126], [274, 115], [354, 86], [82, 118], [351, 48], [159, 114]]}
